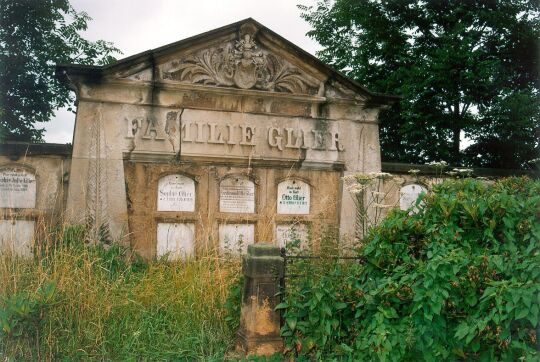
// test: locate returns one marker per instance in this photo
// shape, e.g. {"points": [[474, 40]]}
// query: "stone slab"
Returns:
{"points": [[235, 238], [16, 237], [177, 240], [176, 193], [237, 195], [408, 195], [287, 233], [17, 188], [293, 197]]}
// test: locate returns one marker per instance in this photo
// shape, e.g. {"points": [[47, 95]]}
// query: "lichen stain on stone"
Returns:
{"points": [[265, 349], [263, 318]]}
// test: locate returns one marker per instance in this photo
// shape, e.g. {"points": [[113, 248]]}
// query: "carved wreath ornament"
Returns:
{"points": [[243, 65]]}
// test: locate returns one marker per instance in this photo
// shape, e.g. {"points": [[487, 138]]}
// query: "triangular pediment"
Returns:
{"points": [[243, 59], [243, 56], [242, 63]]}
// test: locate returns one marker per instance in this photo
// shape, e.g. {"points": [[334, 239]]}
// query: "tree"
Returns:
{"points": [[34, 36], [464, 68]]}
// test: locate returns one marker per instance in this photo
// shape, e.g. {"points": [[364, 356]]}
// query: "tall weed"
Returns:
{"points": [[86, 302]]}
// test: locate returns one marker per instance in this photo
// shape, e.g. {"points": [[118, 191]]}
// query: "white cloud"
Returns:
{"points": [[135, 26]]}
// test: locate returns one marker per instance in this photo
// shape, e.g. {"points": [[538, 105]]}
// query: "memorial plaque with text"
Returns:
{"points": [[409, 194], [235, 238], [292, 234], [17, 237], [175, 240], [17, 188], [237, 194], [176, 193], [293, 197]]}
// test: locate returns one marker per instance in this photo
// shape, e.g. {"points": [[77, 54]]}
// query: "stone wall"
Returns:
{"points": [[33, 185], [184, 208], [409, 180]]}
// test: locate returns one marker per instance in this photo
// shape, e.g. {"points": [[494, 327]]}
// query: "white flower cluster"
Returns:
{"points": [[414, 171], [438, 164], [365, 178], [356, 189], [463, 171]]}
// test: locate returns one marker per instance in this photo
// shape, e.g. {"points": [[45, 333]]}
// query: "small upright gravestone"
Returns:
{"points": [[263, 269]]}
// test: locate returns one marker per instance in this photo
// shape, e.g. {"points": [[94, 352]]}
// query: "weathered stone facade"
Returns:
{"points": [[232, 113]]}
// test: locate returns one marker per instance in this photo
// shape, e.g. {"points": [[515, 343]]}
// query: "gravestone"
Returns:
{"points": [[293, 197], [17, 188], [237, 195], [235, 238], [287, 233], [176, 193], [408, 195], [17, 237], [175, 240]]}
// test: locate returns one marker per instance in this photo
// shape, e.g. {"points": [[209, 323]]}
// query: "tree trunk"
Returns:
{"points": [[457, 132], [456, 157]]}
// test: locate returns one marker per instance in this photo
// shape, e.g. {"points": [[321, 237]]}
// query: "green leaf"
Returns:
{"points": [[471, 299], [291, 323], [326, 309], [462, 330], [521, 313]]}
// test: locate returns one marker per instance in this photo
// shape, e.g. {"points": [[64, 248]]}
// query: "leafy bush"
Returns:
{"points": [[459, 279]]}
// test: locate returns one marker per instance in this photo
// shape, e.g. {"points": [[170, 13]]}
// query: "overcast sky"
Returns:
{"points": [[135, 26]]}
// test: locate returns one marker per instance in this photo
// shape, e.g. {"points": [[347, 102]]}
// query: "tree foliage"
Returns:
{"points": [[458, 280], [462, 67], [34, 36]]}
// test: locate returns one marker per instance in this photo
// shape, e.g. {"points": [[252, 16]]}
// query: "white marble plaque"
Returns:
{"points": [[176, 193], [409, 194], [177, 240], [237, 194], [293, 197], [292, 234], [17, 237], [235, 238], [17, 188]]}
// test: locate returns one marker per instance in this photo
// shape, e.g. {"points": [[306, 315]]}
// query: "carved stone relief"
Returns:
{"points": [[242, 64]]}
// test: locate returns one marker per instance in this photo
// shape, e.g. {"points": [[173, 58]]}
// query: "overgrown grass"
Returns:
{"points": [[85, 302]]}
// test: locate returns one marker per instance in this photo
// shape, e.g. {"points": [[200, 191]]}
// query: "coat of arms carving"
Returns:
{"points": [[242, 64]]}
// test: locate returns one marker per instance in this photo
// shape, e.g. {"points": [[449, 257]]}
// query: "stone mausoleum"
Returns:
{"points": [[220, 140]]}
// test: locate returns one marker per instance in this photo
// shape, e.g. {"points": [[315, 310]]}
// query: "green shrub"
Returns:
{"points": [[459, 279]]}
